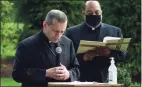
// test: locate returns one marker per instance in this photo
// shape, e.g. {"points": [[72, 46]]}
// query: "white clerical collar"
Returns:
{"points": [[93, 28], [50, 41]]}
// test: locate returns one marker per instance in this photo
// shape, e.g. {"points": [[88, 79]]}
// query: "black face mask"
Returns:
{"points": [[93, 20]]}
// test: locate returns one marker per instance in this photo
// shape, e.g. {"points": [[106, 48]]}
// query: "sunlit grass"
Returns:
{"points": [[135, 84], [9, 82]]}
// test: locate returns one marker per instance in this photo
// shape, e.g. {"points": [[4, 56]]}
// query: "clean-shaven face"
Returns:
{"points": [[55, 30]]}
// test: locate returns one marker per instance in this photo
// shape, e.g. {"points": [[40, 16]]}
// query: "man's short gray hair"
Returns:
{"points": [[55, 14]]}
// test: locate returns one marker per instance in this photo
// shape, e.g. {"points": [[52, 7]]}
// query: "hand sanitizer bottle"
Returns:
{"points": [[112, 72]]}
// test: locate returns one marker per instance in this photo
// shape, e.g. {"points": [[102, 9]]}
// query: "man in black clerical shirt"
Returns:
{"points": [[36, 58], [94, 64]]}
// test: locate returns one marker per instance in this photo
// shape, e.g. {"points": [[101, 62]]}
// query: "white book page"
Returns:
{"points": [[112, 42], [109, 38]]}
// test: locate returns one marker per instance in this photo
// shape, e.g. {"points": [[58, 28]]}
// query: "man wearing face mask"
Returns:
{"points": [[94, 64]]}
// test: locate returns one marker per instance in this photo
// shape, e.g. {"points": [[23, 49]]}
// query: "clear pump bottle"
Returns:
{"points": [[112, 72]]}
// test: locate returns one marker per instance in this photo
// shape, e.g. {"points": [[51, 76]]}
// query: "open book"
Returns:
{"points": [[114, 43]]}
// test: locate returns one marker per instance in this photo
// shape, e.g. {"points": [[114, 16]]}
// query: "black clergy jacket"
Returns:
{"points": [[33, 57], [96, 69]]}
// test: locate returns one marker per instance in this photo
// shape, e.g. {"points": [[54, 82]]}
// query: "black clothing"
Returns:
{"points": [[92, 70], [34, 55]]}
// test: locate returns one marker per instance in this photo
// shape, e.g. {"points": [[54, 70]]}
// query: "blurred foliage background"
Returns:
{"points": [[22, 18]]}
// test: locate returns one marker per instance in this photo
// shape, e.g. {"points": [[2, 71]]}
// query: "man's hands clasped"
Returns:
{"points": [[58, 73]]}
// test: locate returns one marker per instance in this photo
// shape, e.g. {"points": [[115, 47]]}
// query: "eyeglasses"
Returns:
{"points": [[97, 12]]}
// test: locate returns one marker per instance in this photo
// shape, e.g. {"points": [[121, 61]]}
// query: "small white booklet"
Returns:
{"points": [[114, 43]]}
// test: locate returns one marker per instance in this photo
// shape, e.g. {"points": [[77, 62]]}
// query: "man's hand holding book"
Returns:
{"points": [[98, 51]]}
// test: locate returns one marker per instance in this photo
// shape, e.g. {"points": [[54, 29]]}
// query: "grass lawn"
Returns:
{"points": [[9, 82]]}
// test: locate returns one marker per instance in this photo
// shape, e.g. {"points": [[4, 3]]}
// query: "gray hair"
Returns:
{"points": [[55, 14]]}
